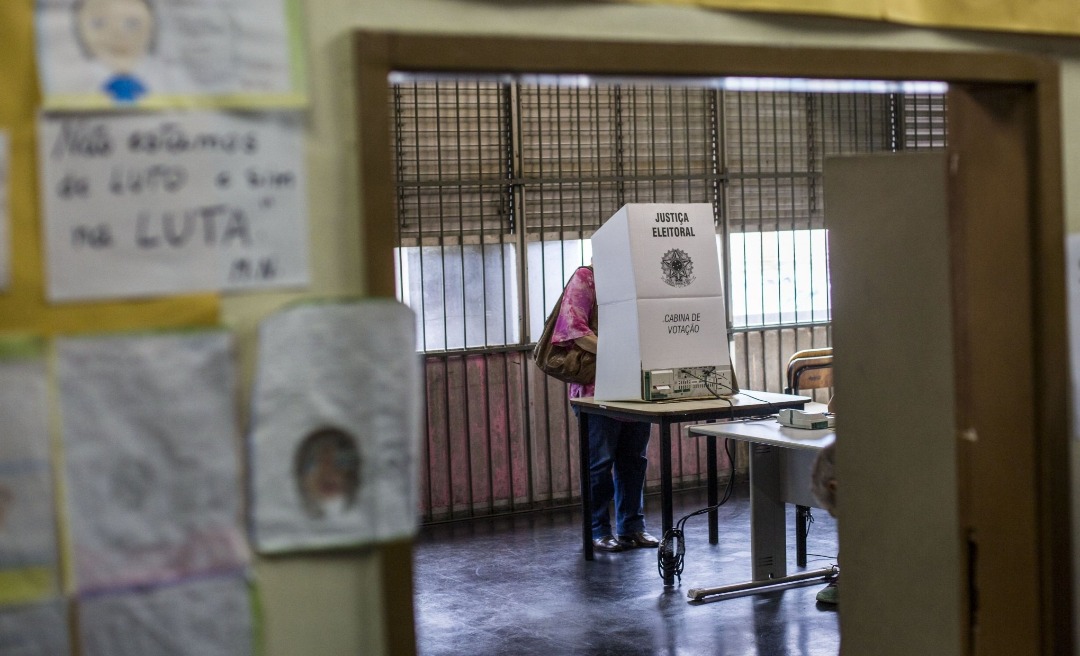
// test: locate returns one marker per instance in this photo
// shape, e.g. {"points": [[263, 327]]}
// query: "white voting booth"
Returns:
{"points": [[662, 324]]}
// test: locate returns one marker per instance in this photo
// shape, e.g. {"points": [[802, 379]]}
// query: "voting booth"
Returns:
{"points": [[662, 323]]}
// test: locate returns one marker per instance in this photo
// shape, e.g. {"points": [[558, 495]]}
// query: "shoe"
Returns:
{"points": [[639, 540], [607, 543], [830, 594]]}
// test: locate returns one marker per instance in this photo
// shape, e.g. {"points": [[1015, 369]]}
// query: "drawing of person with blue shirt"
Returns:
{"points": [[119, 33]]}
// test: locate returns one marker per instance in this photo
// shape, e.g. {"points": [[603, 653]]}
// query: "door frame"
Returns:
{"points": [[1005, 201]]}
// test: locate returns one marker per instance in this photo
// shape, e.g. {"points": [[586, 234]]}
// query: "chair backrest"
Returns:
{"points": [[809, 369]]}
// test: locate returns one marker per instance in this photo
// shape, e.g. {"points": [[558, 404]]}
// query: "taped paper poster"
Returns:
{"points": [[28, 546], [335, 428], [210, 617], [166, 53], [150, 438], [153, 204], [35, 630]]}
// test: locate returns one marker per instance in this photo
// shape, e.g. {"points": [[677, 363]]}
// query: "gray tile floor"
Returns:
{"points": [[519, 586]]}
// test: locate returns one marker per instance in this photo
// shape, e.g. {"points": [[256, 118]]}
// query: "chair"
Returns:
{"points": [[809, 369]]}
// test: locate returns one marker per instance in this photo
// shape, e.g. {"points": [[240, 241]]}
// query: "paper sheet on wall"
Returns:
{"points": [[145, 205], [5, 215], [162, 53], [28, 548], [35, 630], [335, 427], [150, 438], [206, 617]]}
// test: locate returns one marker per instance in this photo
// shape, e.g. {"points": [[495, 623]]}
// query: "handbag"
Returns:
{"points": [[570, 364]]}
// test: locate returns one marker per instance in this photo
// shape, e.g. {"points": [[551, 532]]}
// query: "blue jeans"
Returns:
{"points": [[619, 447]]}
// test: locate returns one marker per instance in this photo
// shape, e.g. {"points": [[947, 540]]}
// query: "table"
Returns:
{"points": [[747, 403], [780, 470]]}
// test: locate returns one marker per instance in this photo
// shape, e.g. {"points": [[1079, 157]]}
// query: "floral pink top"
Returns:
{"points": [[573, 319]]}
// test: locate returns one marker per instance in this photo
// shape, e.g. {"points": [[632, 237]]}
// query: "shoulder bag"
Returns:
{"points": [[570, 364]]}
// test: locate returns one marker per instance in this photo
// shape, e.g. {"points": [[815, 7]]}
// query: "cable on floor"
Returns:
{"points": [[670, 555]]}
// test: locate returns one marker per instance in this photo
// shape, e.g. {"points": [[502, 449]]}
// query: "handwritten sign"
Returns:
{"points": [[149, 205], [162, 53]]}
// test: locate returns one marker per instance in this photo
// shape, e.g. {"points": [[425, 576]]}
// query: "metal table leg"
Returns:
{"points": [[711, 488], [586, 487], [768, 539]]}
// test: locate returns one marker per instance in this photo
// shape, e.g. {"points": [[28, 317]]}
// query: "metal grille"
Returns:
{"points": [[451, 145], [500, 184], [924, 121], [586, 151]]}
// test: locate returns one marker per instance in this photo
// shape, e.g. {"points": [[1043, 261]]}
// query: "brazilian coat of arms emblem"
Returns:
{"points": [[677, 268]]}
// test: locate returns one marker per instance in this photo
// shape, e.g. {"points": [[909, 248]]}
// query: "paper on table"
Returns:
{"points": [[149, 430], [165, 203], [165, 52], [28, 552], [206, 617], [335, 428], [34, 630]]}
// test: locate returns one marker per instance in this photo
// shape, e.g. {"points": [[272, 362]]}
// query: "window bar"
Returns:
{"points": [[669, 104], [570, 452], [650, 115], [812, 181], [793, 195], [487, 359], [812, 154], [442, 261], [853, 102], [457, 110], [620, 166], [760, 215], [543, 213], [598, 95], [719, 166], [917, 123], [515, 165], [419, 214], [442, 214], [742, 209], [774, 188], [687, 157]]}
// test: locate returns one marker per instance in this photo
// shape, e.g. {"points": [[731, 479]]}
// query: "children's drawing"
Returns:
{"points": [[149, 443], [327, 472], [119, 33], [337, 410]]}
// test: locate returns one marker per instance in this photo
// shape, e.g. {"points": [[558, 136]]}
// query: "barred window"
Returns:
{"points": [[501, 182]]}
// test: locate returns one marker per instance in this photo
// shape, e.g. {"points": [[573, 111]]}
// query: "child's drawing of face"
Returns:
{"points": [[118, 32]]}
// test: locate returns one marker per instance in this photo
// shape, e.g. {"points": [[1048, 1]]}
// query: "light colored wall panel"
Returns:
{"points": [[896, 455]]}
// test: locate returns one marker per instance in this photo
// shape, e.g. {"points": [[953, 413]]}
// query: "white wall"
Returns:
{"points": [[333, 602]]}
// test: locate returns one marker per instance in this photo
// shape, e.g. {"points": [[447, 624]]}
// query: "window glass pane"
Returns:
{"points": [[779, 277], [463, 296]]}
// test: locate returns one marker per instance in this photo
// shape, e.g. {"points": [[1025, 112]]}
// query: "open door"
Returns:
{"points": [[901, 554], [1007, 557]]}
